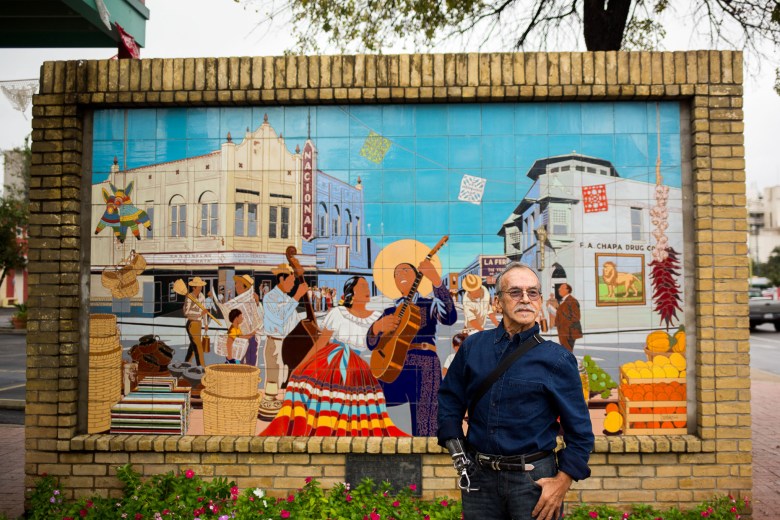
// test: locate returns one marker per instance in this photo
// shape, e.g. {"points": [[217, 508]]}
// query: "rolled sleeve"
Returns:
{"points": [[575, 418]]}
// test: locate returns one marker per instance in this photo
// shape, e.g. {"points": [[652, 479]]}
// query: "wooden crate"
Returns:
{"points": [[631, 415]]}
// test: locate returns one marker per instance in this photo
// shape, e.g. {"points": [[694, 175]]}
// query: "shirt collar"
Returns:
{"points": [[501, 333], [402, 298]]}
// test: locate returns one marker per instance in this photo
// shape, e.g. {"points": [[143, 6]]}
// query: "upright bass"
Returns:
{"points": [[388, 357], [301, 339]]}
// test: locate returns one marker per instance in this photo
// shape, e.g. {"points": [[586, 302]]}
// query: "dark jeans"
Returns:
{"points": [[508, 495]]}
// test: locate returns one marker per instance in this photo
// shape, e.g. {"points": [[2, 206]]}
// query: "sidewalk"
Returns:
{"points": [[766, 453]]}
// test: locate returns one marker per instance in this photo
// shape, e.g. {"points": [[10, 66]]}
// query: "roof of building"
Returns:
{"points": [[540, 166]]}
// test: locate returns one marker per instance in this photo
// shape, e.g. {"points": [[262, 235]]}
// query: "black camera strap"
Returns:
{"points": [[507, 362]]}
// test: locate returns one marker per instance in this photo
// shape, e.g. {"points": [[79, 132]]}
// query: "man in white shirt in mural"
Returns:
{"points": [[280, 318], [476, 305]]}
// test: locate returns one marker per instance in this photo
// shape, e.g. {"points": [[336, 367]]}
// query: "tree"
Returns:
{"points": [[13, 217], [771, 269], [370, 25]]}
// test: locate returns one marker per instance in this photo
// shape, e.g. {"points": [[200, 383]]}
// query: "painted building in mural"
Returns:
{"points": [[231, 211], [583, 224]]}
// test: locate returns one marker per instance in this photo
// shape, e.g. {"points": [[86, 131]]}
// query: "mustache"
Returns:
{"points": [[525, 308]]}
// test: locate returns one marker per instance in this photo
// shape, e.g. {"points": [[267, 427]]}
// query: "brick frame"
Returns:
{"points": [[663, 470]]}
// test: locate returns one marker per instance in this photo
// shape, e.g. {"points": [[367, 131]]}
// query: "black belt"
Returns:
{"points": [[511, 462]]}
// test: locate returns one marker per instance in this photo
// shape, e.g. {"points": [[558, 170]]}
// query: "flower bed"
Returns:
{"points": [[188, 496]]}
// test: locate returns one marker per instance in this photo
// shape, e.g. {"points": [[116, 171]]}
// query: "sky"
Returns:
{"points": [[226, 28]]}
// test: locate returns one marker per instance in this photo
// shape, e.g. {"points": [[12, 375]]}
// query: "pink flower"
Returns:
{"points": [[83, 513], [189, 473], [593, 514], [166, 511], [234, 490], [291, 498], [733, 509], [284, 513], [349, 498], [308, 479], [444, 503], [413, 487], [427, 517], [89, 504], [625, 515], [396, 503], [138, 516], [375, 516], [705, 514]]}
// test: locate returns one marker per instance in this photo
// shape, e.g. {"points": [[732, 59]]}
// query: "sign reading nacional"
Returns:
{"points": [[307, 194]]}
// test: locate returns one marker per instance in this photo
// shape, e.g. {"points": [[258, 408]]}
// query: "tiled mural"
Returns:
{"points": [[312, 270]]}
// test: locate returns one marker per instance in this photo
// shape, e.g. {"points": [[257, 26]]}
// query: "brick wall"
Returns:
{"points": [[664, 470]]}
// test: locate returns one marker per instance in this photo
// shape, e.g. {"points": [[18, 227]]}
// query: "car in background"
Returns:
{"points": [[764, 310]]}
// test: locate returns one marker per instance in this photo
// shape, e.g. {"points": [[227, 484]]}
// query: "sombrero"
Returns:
{"points": [[245, 279], [197, 282], [402, 251], [471, 282]]}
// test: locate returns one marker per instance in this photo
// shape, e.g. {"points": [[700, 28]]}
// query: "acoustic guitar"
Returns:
{"points": [[387, 359], [301, 339]]}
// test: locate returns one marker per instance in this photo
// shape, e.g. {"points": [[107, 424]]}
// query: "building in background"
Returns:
{"points": [[763, 222], [14, 287]]}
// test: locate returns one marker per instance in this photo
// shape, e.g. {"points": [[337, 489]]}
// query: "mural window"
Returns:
{"points": [[178, 217], [322, 220], [636, 224], [336, 221], [560, 216], [285, 223], [209, 215], [150, 214], [348, 225], [358, 245], [246, 219], [279, 222]]}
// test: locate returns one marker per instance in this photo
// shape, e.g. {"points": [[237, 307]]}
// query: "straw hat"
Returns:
{"points": [[282, 269], [402, 251], [245, 279], [471, 282], [197, 282]]}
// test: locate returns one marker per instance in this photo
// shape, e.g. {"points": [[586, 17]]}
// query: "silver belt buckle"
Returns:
{"points": [[528, 467]]}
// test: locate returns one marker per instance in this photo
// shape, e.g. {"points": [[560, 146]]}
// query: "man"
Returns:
{"points": [[420, 376], [514, 426], [568, 318], [476, 305], [197, 320], [279, 319]]}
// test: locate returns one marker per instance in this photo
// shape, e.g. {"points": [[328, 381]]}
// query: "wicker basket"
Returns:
{"points": [[105, 388], [229, 415], [138, 263], [109, 279], [231, 380], [102, 325], [104, 344], [126, 290]]}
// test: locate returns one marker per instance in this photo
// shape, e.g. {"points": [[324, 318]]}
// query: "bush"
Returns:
{"points": [[719, 508], [187, 496]]}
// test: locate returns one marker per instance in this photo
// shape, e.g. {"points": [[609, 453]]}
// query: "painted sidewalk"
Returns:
{"points": [[766, 453]]}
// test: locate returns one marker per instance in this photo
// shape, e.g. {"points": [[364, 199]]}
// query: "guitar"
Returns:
{"points": [[387, 359], [301, 339]]}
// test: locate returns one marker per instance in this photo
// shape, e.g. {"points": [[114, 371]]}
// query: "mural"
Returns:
{"points": [[312, 270]]}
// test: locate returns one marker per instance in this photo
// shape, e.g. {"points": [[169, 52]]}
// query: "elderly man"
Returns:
{"points": [[513, 423]]}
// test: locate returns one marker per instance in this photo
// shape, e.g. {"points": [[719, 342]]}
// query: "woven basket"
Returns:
{"points": [[229, 415], [104, 344], [138, 263], [104, 389], [126, 290], [109, 279], [102, 325], [230, 381]]}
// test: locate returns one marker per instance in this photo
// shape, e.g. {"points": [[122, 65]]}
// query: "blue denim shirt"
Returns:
{"points": [[518, 415]]}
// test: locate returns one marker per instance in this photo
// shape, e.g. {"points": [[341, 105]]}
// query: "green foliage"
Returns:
{"points": [[13, 215], [21, 311], [187, 496], [718, 508], [771, 269]]}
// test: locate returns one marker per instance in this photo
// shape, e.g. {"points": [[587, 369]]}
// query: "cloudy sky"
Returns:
{"points": [[185, 28]]}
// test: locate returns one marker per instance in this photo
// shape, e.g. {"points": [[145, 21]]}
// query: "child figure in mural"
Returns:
{"points": [[279, 319], [243, 284], [236, 318], [457, 341], [420, 377], [477, 307], [197, 320], [332, 392], [568, 318], [552, 308]]}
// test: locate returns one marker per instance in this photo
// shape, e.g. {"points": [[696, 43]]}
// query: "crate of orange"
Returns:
{"points": [[653, 408]]}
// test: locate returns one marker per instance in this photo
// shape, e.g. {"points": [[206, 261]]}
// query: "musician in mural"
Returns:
{"points": [[417, 382], [279, 318], [568, 318], [477, 307], [197, 319], [333, 392]]}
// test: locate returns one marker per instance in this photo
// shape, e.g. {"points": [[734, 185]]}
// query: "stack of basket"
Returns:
{"points": [[230, 399], [122, 280], [105, 371]]}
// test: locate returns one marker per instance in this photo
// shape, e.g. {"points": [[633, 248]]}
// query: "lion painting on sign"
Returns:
{"points": [[613, 279]]}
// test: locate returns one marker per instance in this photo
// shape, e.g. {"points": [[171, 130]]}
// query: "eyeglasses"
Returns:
{"points": [[517, 294]]}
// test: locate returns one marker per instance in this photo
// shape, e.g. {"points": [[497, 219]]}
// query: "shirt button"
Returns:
{"points": [[493, 430], [494, 404]]}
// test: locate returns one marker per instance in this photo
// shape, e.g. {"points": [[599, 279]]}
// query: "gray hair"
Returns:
{"points": [[516, 265]]}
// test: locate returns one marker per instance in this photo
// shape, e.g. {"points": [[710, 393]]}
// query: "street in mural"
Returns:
{"points": [[312, 270]]}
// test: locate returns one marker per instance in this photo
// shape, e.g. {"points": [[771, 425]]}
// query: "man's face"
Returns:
{"points": [[286, 283], [404, 276], [519, 314], [476, 293], [563, 290]]}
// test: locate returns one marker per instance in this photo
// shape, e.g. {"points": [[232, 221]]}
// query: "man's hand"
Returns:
{"points": [[553, 492], [302, 289], [429, 271], [386, 324]]}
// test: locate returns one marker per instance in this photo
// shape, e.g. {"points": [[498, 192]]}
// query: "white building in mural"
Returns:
{"points": [[578, 215], [234, 210], [763, 222]]}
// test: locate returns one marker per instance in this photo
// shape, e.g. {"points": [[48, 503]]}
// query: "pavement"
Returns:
{"points": [[765, 395]]}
